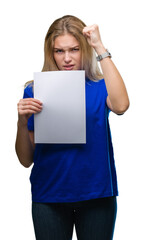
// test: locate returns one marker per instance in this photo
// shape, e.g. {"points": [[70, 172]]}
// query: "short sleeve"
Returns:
{"points": [[106, 95], [28, 93], [104, 89]]}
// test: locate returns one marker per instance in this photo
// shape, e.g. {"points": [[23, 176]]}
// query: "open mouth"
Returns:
{"points": [[68, 67]]}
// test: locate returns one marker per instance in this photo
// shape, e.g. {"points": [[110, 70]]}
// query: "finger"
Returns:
{"points": [[32, 100], [29, 107], [28, 111], [25, 106], [90, 28], [86, 34], [29, 102], [85, 30]]}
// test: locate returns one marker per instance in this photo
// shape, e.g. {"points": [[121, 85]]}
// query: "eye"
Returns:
{"points": [[75, 49], [58, 51]]}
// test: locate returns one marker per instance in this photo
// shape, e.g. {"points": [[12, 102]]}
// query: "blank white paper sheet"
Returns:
{"points": [[63, 117]]}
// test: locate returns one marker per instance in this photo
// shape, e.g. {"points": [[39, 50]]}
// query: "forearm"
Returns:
{"points": [[24, 147], [117, 95], [24, 140], [115, 86]]}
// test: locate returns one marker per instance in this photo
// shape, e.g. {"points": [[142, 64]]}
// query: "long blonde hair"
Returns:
{"points": [[72, 25]]}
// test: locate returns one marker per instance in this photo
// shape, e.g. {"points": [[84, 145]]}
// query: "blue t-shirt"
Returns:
{"points": [[77, 172]]}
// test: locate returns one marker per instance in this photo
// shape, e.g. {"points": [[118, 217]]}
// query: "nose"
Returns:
{"points": [[67, 57]]}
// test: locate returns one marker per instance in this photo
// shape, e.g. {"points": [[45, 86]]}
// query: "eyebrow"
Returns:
{"points": [[69, 48]]}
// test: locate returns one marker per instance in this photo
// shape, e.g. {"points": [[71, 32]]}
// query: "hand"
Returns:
{"points": [[94, 39], [26, 107]]}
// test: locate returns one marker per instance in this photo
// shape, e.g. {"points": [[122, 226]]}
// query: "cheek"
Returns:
{"points": [[56, 59], [80, 60]]}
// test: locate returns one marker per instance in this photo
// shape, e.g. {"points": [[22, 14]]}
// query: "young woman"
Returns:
{"points": [[74, 184]]}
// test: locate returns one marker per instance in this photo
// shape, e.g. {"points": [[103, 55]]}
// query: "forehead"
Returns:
{"points": [[65, 41]]}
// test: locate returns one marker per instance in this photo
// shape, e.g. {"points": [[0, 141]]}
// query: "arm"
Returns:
{"points": [[117, 99], [24, 146], [25, 139]]}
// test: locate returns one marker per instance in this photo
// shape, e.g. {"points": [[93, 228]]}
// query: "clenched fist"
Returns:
{"points": [[93, 37]]}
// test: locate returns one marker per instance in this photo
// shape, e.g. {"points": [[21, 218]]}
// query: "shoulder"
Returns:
{"points": [[97, 88], [98, 84], [28, 90], [95, 82]]}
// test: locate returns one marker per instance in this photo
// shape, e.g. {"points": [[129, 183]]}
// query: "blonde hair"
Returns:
{"points": [[72, 25]]}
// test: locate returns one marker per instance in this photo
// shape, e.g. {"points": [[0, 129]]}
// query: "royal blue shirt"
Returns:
{"points": [[77, 172]]}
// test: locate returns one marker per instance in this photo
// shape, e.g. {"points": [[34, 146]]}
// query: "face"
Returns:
{"points": [[67, 53]]}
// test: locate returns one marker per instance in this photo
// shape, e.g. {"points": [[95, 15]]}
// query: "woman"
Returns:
{"points": [[74, 184]]}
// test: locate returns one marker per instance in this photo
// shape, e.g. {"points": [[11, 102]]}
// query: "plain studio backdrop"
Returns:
{"points": [[23, 26]]}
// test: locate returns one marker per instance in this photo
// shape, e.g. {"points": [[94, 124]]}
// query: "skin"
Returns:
{"points": [[117, 99], [67, 56], [67, 53], [25, 139]]}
